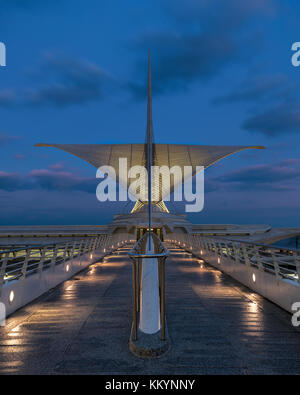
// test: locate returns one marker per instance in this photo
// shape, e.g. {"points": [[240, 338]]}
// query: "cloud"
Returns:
{"points": [[19, 156], [208, 37], [75, 82], [25, 4], [276, 121], [55, 178], [220, 14], [62, 181], [5, 138], [44, 207], [257, 88], [9, 8], [179, 60], [12, 182], [261, 174], [69, 81], [53, 195], [276, 90], [283, 176], [57, 166], [7, 97]]}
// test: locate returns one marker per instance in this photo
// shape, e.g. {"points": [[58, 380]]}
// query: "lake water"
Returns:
{"points": [[291, 242]]}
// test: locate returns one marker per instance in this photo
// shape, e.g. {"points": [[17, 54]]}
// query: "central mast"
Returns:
{"points": [[149, 147]]}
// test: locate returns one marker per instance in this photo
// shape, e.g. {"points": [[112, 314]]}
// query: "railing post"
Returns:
{"points": [[94, 244], [25, 264], [41, 264], [101, 242], [215, 248], [297, 264], [221, 248], [73, 249], [97, 241], [258, 259], [134, 299], [139, 277], [3, 270], [210, 245], [83, 246], [226, 249], [65, 252], [198, 243], [109, 242], [86, 246], [90, 245], [54, 256], [105, 244], [161, 262], [236, 252], [276, 266], [79, 248], [246, 257]]}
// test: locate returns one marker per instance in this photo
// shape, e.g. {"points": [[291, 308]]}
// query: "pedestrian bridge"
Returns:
{"points": [[215, 324]]}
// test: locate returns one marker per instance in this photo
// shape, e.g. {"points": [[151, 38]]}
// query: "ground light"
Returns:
{"points": [[11, 296]]}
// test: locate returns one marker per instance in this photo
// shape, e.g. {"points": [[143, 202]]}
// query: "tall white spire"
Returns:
{"points": [[149, 145]]}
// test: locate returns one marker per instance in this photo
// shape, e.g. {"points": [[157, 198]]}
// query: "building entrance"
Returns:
{"points": [[141, 231]]}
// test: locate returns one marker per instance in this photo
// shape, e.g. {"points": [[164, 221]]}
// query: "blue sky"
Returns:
{"points": [[222, 74]]}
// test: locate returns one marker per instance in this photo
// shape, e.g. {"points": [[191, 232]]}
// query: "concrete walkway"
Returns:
{"points": [[216, 326]]}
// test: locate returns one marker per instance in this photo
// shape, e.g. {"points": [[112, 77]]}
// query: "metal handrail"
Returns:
{"points": [[19, 263], [282, 262], [252, 243], [36, 246], [165, 254]]}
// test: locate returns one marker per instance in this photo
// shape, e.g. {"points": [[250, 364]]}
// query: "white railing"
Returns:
{"points": [[17, 264], [281, 262], [139, 257]]}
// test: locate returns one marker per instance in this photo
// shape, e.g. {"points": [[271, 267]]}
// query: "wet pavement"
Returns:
{"points": [[216, 326]]}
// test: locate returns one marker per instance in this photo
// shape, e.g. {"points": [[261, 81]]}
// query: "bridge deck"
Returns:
{"points": [[216, 326]]}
